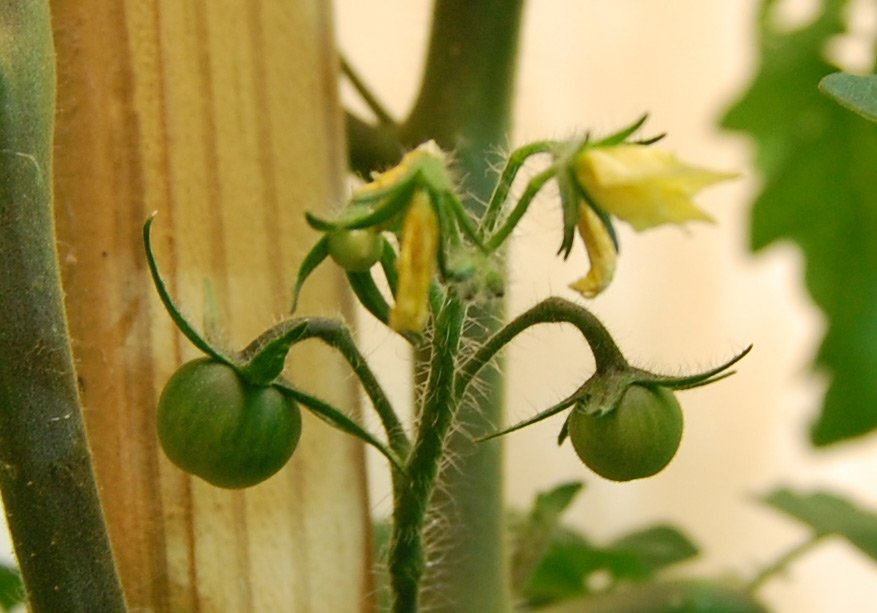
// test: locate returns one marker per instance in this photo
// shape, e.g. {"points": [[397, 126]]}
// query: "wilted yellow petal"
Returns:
{"points": [[644, 186], [601, 253], [416, 265]]}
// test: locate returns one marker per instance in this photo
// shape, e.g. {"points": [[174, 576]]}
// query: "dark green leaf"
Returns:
{"points": [[818, 161], [856, 92], [533, 536], [11, 588], [571, 561], [687, 596], [648, 551], [830, 514]]}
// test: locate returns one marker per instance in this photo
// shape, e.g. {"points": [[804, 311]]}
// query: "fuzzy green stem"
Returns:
{"points": [[46, 476], [414, 490], [550, 310], [507, 178], [533, 187], [337, 335], [464, 104]]}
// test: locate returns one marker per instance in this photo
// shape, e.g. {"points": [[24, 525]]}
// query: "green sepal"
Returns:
{"points": [[262, 361], [463, 220], [178, 318], [388, 265], [315, 257], [569, 206], [366, 291], [337, 419], [380, 216], [622, 135], [696, 380]]}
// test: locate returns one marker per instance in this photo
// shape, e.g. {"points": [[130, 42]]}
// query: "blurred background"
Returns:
{"points": [[683, 299]]}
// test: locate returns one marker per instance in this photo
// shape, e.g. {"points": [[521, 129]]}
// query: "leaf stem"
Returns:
{"points": [[780, 565]]}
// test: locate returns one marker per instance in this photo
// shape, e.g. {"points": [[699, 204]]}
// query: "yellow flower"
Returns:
{"points": [[601, 253], [416, 265], [642, 185]]}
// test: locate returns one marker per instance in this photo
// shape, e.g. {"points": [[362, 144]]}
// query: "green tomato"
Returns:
{"points": [[636, 440], [355, 250], [215, 425]]}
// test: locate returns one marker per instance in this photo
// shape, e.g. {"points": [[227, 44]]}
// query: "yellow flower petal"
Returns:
{"points": [[601, 253], [644, 186], [416, 265]]}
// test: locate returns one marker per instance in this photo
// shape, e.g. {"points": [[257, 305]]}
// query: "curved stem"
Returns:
{"points": [[533, 187], [507, 178], [550, 310], [413, 491], [781, 563], [335, 334]]}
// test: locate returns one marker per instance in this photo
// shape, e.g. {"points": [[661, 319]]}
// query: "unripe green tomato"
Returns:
{"points": [[215, 425], [636, 440], [355, 250]]}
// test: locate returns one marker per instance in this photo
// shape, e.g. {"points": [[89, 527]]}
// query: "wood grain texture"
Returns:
{"points": [[221, 116]]}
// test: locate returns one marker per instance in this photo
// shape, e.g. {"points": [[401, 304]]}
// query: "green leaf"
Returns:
{"points": [[683, 596], [647, 551], [819, 190], [856, 92], [11, 587], [828, 513], [571, 561], [533, 536]]}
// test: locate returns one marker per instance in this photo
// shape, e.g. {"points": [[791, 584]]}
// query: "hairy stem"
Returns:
{"points": [[464, 104], [413, 491], [46, 475], [550, 310]]}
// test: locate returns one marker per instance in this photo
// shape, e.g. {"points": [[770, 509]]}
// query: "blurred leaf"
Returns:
{"points": [[856, 92], [571, 561], [829, 514], [533, 535], [11, 588], [650, 550], [688, 596], [819, 190]]}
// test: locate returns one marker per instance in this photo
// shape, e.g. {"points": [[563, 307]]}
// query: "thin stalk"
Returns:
{"points": [[413, 491], [782, 563], [507, 178], [47, 480]]}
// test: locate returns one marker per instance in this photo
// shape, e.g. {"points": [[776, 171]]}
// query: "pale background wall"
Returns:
{"points": [[681, 300]]}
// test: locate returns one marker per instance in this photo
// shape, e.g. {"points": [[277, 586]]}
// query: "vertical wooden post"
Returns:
{"points": [[221, 116]]}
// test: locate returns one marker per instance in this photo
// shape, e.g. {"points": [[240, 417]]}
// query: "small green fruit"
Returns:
{"points": [[215, 425], [355, 250], [636, 440]]}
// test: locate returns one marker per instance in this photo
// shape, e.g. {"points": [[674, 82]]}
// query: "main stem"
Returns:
{"points": [[46, 476], [414, 488], [465, 105]]}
